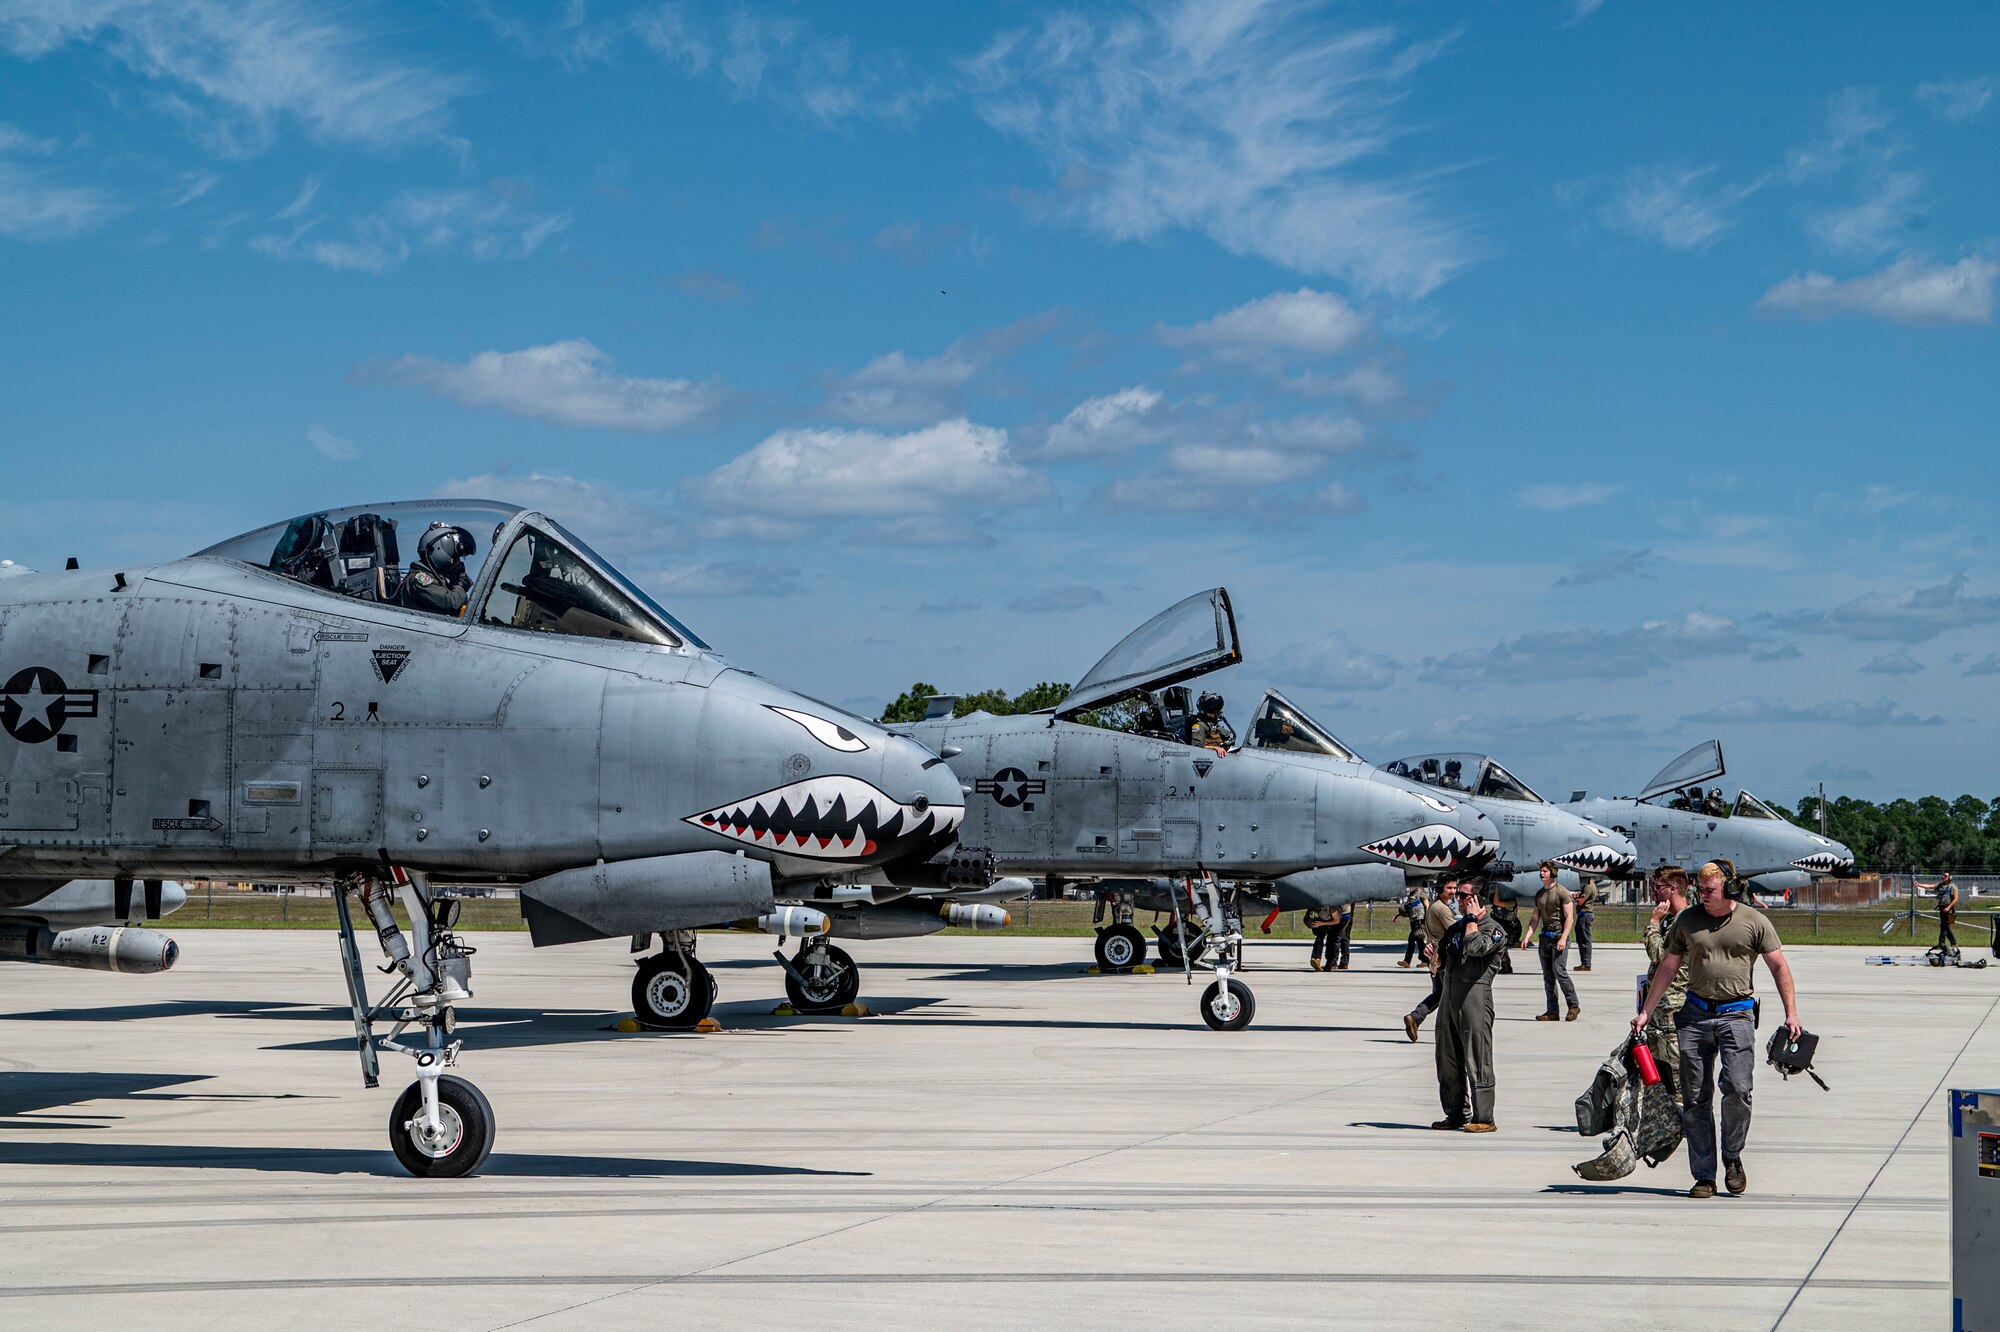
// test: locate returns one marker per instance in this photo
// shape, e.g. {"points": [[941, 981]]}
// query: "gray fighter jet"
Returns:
{"points": [[296, 704], [1529, 828], [1672, 823], [1154, 820]]}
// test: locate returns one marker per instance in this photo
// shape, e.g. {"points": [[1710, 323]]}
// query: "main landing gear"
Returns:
{"points": [[673, 991], [1120, 946], [820, 978], [441, 1126]]}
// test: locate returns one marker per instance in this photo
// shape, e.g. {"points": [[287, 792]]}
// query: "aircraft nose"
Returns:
{"points": [[1427, 832], [1603, 853]]}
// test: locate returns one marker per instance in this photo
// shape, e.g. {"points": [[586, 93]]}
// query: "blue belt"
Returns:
{"points": [[1552, 934], [1695, 1001]]}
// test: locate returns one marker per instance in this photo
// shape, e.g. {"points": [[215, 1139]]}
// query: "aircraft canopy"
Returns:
{"points": [[1469, 774], [1190, 638], [1282, 724], [1699, 764], [1750, 807], [547, 580]]}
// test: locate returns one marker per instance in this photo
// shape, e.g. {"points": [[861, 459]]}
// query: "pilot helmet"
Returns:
{"points": [[1399, 769], [1210, 701], [444, 547], [1452, 767]]}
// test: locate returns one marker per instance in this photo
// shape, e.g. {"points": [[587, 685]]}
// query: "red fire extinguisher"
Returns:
{"points": [[1642, 1055]]}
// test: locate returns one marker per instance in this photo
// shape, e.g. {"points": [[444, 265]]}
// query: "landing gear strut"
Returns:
{"points": [[673, 991], [822, 978], [441, 1126], [1227, 1004]]}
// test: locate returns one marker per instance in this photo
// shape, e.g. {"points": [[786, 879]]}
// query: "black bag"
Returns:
{"points": [[1793, 1054]]}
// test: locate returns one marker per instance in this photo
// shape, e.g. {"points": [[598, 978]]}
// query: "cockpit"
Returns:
{"points": [[1750, 807], [1137, 685], [545, 581], [1470, 774], [1280, 723]]}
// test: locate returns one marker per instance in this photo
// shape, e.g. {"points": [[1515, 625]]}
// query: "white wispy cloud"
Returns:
{"points": [[1245, 122], [614, 521], [331, 446], [1847, 712], [1899, 662], [565, 383], [780, 58], [1957, 101], [14, 139], [1286, 326], [1914, 616], [235, 69], [1870, 227], [1856, 124], [487, 225], [1909, 291], [34, 207], [1333, 663], [898, 389], [1552, 497], [1593, 654], [1111, 423], [1607, 567], [1682, 208], [865, 473]]}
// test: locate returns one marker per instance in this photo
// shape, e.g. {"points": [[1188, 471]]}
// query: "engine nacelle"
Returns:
{"points": [[93, 948], [649, 895]]}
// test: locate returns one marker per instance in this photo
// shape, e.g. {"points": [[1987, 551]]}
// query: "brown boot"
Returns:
{"points": [[1574, 1014], [1482, 1126], [1703, 1188], [1454, 1125], [1550, 1016], [1410, 1026]]}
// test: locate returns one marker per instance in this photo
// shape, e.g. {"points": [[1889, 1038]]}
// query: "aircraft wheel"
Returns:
{"points": [[1120, 947], [832, 980], [1170, 950], [1228, 1010], [468, 1130], [666, 998]]}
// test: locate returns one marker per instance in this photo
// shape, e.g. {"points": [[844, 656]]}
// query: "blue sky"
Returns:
{"points": [[1573, 381]]}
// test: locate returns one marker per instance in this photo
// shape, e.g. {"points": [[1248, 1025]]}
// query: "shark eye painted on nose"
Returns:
{"points": [[1433, 802], [831, 734]]}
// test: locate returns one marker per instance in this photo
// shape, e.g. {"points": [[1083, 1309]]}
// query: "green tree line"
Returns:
{"points": [[1930, 832]]}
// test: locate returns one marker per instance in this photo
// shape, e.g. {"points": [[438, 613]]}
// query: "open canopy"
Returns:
{"points": [[1283, 724], [1190, 638], [1471, 774], [1699, 764], [1750, 807], [545, 580]]}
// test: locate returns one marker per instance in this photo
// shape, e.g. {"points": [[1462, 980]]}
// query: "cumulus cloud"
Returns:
{"points": [[1057, 600], [1241, 122], [564, 383], [1334, 663], [1681, 208], [1909, 291], [329, 445], [1956, 101], [612, 521], [1915, 616], [1112, 423], [1765, 711], [237, 69], [1899, 662], [34, 207], [489, 225], [864, 473], [1285, 326], [900, 390], [1591, 654], [1986, 665], [1557, 498], [1607, 567], [1789, 652]]}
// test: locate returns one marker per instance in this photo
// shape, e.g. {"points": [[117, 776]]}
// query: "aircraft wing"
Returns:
{"points": [[1192, 637]]}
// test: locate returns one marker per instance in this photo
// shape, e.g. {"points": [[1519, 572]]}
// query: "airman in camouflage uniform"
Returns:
{"points": [[1670, 897]]}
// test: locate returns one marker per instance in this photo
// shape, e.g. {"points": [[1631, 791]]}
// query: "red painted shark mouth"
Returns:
{"points": [[1822, 862], [1597, 859], [1435, 846], [831, 818]]}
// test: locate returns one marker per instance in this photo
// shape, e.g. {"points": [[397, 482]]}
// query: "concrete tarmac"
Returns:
{"points": [[1007, 1142]]}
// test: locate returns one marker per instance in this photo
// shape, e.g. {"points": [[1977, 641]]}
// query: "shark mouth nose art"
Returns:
{"points": [[829, 818], [1434, 846], [1597, 860], [1822, 862]]}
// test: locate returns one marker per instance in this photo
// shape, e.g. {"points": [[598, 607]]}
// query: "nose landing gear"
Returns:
{"points": [[441, 1125]]}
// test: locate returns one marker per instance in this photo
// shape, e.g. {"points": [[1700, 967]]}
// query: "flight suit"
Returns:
{"points": [[425, 589], [1210, 731], [1465, 1020]]}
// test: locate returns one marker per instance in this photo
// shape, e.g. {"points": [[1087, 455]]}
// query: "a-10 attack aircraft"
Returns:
{"points": [[270, 709], [1668, 829], [1529, 828], [1157, 821]]}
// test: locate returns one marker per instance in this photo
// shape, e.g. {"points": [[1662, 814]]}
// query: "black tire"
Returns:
{"points": [[665, 997], [1246, 1006], [465, 1111], [1169, 949], [1120, 948], [830, 986]]}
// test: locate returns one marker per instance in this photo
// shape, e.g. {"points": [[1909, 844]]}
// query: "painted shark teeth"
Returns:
{"points": [[1434, 846], [835, 817], [1596, 859], [1822, 862]]}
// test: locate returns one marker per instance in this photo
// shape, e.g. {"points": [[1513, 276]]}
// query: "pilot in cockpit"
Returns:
{"points": [[1209, 729], [1714, 806], [1690, 799], [1454, 775], [436, 581]]}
